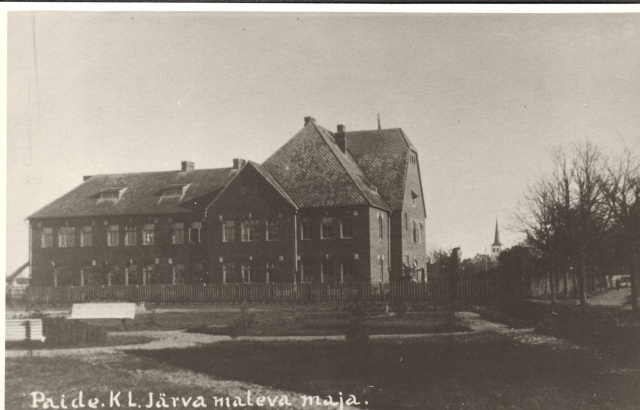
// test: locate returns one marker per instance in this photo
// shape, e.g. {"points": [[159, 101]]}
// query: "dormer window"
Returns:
{"points": [[173, 191], [111, 194]]}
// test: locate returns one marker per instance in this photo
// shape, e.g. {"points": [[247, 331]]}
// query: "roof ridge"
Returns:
{"points": [[161, 172], [374, 130], [333, 150]]}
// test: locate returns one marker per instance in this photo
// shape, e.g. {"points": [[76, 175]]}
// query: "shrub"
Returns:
{"points": [[60, 331], [243, 324], [356, 334]]}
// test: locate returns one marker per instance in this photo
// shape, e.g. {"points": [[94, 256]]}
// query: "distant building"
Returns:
{"points": [[496, 247], [325, 207]]}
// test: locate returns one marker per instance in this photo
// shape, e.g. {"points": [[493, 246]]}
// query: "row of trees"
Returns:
{"points": [[585, 213]]}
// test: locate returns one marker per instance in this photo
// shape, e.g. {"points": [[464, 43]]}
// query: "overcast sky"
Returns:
{"points": [[483, 97]]}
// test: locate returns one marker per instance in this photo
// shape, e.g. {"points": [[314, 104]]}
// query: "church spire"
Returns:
{"points": [[496, 241]]}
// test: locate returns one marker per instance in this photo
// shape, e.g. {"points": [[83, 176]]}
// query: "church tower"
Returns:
{"points": [[496, 248]]}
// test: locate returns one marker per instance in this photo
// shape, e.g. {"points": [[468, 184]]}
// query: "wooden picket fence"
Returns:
{"points": [[436, 291]]}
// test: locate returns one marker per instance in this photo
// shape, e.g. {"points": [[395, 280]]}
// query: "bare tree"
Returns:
{"points": [[565, 217], [591, 221], [621, 187]]}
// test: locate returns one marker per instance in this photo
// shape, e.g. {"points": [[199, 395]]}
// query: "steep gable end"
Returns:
{"points": [[383, 155]]}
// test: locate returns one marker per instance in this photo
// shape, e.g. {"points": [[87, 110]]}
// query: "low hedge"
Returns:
{"points": [[60, 331]]}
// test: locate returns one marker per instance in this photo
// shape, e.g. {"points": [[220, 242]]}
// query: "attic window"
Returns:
{"points": [[414, 196], [173, 191], [111, 194]]}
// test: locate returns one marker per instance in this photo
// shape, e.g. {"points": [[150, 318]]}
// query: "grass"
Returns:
{"points": [[480, 371], [614, 331], [111, 340], [282, 320], [55, 376]]}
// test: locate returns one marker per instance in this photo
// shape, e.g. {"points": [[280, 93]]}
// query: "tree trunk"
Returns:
{"points": [[582, 279], [552, 283], [633, 275], [566, 285]]}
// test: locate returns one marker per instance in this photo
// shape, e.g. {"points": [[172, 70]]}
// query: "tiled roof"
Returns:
{"points": [[315, 173], [383, 155], [266, 175], [142, 194]]}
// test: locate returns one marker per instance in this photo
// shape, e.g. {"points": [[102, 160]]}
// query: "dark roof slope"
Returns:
{"points": [[383, 155], [315, 173], [265, 174], [142, 194]]}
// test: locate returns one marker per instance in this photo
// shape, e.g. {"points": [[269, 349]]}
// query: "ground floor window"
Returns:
{"points": [[179, 274], [229, 273], [347, 273]]}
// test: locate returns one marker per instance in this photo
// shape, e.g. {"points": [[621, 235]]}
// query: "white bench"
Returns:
{"points": [[121, 311], [16, 330], [103, 311]]}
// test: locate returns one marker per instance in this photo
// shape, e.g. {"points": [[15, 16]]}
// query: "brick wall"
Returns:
{"points": [[98, 260]]}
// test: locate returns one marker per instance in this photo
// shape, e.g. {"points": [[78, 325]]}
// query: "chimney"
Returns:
{"points": [[86, 177], [341, 138], [307, 120], [188, 166], [238, 163]]}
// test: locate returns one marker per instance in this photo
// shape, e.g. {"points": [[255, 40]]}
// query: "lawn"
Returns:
{"points": [[95, 378], [282, 319], [478, 372]]}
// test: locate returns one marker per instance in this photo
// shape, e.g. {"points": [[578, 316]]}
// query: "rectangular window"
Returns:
{"points": [[133, 275], [177, 233], [381, 269], [326, 272], [249, 229], [415, 231], [380, 226], [229, 272], [173, 191], [326, 228], [130, 238], [248, 273], [406, 259], [148, 234], [110, 194], [305, 230], [66, 237], [346, 271], [113, 235], [272, 272], [345, 229], [228, 231], [420, 228], [194, 232], [47, 237], [272, 229], [406, 222], [86, 236], [306, 272]]}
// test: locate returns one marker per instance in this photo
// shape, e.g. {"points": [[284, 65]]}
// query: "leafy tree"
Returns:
{"points": [[518, 261]]}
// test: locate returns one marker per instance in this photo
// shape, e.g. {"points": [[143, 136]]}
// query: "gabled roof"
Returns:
{"points": [[315, 173], [139, 194], [383, 155], [268, 178]]}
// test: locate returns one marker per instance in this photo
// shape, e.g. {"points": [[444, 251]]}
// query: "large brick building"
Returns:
{"points": [[327, 206]]}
